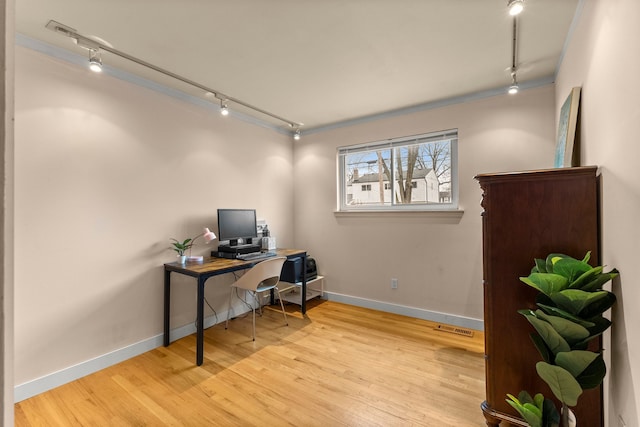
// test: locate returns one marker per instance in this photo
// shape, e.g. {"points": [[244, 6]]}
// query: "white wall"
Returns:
{"points": [[105, 173], [438, 264], [602, 58], [7, 11]]}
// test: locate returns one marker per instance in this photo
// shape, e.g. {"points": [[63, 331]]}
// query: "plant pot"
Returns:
{"points": [[182, 259], [572, 419]]}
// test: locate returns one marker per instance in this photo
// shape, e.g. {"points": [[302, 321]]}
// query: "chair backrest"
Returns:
{"points": [[267, 271]]}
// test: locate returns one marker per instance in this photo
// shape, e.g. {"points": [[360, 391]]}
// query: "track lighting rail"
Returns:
{"points": [[94, 45]]}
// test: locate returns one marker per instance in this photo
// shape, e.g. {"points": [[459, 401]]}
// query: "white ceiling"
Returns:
{"points": [[318, 62]]}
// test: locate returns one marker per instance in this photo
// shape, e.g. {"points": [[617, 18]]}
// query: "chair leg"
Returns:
{"points": [[226, 325], [286, 322], [254, 319]]}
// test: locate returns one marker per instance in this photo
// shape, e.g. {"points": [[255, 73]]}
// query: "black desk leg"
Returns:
{"points": [[167, 305], [200, 323], [303, 302]]}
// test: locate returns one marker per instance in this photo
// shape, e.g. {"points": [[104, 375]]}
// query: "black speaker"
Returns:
{"points": [[311, 270]]}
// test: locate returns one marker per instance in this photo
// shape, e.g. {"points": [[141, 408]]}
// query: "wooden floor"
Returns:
{"points": [[340, 366]]}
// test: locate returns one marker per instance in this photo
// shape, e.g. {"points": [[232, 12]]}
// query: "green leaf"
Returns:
{"points": [[550, 415], [600, 324], [531, 414], [575, 361], [575, 300], [572, 332], [599, 306], [593, 375], [547, 283], [570, 268], [560, 312], [551, 337], [552, 259], [542, 347], [587, 257], [586, 277], [563, 385], [540, 266], [599, 281]]}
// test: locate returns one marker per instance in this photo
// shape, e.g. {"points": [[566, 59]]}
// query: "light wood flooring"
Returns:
{"points": [[339, 366]]}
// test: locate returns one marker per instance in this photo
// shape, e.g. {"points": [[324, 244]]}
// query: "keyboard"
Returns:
{"points": [[255, 256]]}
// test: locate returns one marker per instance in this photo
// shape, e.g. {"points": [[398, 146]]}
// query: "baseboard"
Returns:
{"points": [[418, 313], [72, 373]]}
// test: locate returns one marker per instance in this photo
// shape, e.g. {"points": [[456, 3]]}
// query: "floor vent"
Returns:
{"points": [[455, 330]]}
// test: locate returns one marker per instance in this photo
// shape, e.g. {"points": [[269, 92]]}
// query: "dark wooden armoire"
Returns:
{"points": [[528, 215]]}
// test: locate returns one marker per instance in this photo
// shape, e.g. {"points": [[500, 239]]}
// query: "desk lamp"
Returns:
{"points": [[208, 237]]}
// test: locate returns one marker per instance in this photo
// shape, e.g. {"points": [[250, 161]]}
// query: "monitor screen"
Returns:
{"points": [[234, 224]]}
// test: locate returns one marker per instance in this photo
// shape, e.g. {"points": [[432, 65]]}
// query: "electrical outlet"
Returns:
{"points": [[394, 283]]}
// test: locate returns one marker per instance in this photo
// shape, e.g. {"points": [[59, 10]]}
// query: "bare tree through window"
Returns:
{"points": [[406, 171]]}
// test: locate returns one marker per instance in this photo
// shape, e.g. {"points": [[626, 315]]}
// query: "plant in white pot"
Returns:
{"points": [[570, 311], [181, 248], [187, 244]]}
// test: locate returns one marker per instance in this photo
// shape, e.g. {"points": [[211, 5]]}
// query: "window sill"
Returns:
{"points": [[435, 216]]}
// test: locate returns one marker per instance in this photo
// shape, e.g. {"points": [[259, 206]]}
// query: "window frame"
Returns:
{"points": [[450, 135]]}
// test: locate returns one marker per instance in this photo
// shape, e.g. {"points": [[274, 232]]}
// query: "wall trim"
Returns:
{"points": [[418, 313], [72, 373]]}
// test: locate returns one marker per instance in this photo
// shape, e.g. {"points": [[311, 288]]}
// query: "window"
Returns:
{"points": [[409, 173]]}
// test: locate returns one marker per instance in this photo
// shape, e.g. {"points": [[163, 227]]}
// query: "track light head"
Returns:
{"points": [[296, 135], [95, 63], [224, 110], [514, 88], [515, 7]]}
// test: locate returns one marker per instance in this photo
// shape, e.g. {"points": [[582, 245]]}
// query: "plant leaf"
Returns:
{"points": [[550, 415], [593, 375], [547, 283], [551, 337], [570, 268], [563, 385], [540, 266], [552, 259], [600, 324], [542, 347], [575, 300], [597, 282], [572, 332], [560, 312], [575, 361], [531, 414], [586, 277], [599, 306]]}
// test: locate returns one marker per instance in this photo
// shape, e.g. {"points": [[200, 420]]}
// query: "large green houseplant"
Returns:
{"points": [[571, 303]]}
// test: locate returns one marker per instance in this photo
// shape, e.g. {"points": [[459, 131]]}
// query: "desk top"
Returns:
{"points": [[212, 265]]}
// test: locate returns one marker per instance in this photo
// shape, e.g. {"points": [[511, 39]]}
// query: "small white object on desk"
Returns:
{"points": [[268, 243], [195, 258]]}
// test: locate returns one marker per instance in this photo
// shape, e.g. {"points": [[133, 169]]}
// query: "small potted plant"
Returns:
{"points": [[571, 303], [181, 248]]}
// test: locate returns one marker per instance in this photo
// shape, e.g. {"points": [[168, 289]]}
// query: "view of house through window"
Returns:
{"points": [[403, 173]]}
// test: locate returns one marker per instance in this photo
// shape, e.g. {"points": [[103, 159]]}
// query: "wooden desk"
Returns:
{"points": [[205, 269]]}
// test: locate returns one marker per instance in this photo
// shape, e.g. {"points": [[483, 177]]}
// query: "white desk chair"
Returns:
{"points": [[262, 277]]}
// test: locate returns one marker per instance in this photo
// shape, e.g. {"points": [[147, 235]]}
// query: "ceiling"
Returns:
{"points": [[315, 62]]}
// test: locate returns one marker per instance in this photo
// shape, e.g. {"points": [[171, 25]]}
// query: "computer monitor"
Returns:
{"points": [[235, 224]]}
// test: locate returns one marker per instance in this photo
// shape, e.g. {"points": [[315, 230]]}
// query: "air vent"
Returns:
{"points": [[455, 330]]}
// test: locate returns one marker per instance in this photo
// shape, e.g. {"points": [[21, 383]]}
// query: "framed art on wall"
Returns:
{"points": [[567, 148]]}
